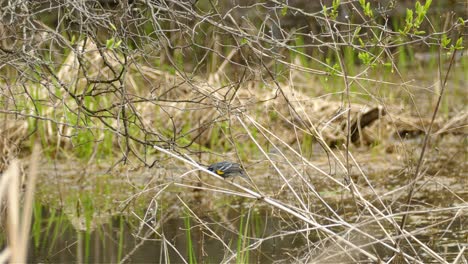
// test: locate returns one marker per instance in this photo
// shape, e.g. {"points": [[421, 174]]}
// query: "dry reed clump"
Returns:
{"points": [[12, 135], [203, 104], [18, 209], [287, 110], [200, 103], [178, 107]]}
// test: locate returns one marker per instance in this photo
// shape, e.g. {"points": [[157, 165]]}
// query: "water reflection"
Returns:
{"points": [[120, 239], [265, 238]]}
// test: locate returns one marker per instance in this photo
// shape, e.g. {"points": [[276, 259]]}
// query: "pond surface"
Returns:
{"points": [[215, 229], [120, 240], [88, 215]]}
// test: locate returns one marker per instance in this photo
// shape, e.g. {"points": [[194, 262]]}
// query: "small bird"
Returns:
{"points": [[227, 169]]}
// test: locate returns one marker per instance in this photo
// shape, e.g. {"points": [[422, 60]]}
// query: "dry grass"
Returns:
{"points": [[18, 209], [349, 151]]}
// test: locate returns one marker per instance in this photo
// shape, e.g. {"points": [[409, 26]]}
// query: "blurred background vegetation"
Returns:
{"points": [[102, 74], [301, 93]]}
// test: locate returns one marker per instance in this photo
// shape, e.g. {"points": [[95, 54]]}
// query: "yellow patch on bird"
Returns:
{"points": [[219, 172]]}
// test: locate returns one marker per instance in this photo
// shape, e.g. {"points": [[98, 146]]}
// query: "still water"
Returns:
{"points": [[125, 240]]}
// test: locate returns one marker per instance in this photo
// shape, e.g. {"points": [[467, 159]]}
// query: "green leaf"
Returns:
{"points": [[417, 6], [361, 42], [113, 27], [325, 12], [110, 43], [409, 16], [284, 10], [445, 41], [461, 21], [459, 43], [367, 10], [336, 4], [365, 58], [427, 4]]}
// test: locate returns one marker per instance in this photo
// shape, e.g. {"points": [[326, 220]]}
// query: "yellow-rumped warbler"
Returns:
{"points": [[227, 169]]}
